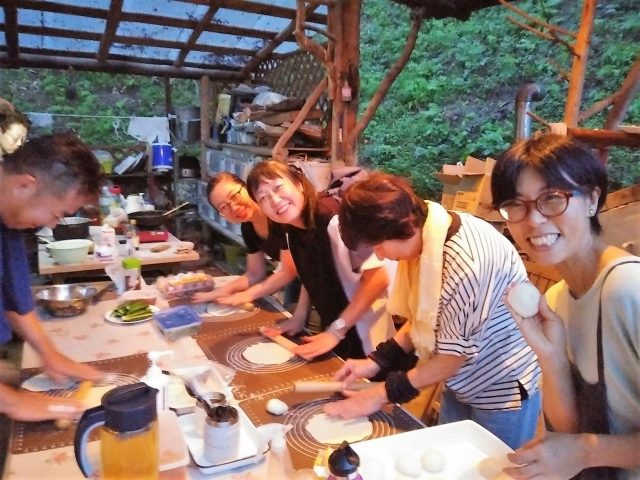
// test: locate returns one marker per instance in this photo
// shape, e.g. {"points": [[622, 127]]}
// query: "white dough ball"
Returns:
{"points": [[523, 298], [277, 407], [408, 465], [433, 461], [490, 468]]}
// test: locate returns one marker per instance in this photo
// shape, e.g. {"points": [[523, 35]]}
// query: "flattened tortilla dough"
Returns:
{"points": [[334, 431], [267, 353]]}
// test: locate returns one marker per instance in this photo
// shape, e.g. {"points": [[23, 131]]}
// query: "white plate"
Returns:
{"points": [[464, 445], [248, 451], [110, 317]]}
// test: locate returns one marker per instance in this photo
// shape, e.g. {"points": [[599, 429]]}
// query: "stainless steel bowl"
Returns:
{"points": [[65, 300]]}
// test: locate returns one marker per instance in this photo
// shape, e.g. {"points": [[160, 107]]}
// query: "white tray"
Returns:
{"points": [[248, 451], [464, 444]]}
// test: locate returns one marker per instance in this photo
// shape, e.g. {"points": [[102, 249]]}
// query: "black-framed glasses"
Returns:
{"points": [[549, 204], [225, 208]]}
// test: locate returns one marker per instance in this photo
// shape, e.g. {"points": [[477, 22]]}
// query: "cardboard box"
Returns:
{"points": [[467, 188]]}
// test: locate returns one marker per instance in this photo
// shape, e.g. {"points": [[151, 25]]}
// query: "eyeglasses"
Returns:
{"points": [[224, 209], [549, 204]]}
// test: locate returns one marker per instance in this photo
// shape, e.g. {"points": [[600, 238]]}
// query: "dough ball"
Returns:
{"points": [[433, 461], [523, 298], [408, 465], [277, 407], [490, 468], [305, 474]]}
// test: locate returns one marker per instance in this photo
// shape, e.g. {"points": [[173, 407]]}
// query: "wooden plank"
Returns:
{"points": [[11, 33], [622, 197], [277, 118], [113, 19], [195, 34]]}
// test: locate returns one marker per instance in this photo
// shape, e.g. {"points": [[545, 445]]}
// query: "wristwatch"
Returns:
{"points": [[338, 328]]}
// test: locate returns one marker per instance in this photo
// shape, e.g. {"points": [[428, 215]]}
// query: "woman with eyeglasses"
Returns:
{"points": [[347, 288], [586, 334], [14, 126], [227, 193]]}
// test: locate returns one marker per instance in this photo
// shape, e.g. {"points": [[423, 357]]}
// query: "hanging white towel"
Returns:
{"points": [[149, 129]]}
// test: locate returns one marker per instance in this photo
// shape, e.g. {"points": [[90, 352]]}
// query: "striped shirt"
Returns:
{"points": [[473, 321]]}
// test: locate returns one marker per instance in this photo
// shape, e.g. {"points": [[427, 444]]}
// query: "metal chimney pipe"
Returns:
{"points": [[527, 93]]}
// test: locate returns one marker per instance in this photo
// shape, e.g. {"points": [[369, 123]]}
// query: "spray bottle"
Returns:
{"points": [[156, 379], [344, 463], [279, 464]]}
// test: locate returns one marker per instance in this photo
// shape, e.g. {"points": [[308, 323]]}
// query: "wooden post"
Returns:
{"points": [[205, 121], [350, 66], [334, 25], [581, 46]]}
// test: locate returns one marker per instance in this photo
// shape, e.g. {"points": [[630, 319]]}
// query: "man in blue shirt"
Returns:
{"points": [[48, 178]]}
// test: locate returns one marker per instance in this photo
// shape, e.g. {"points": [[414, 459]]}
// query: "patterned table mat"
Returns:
{"points": [[35, 436]]}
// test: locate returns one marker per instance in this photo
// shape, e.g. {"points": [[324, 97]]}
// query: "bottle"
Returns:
{"points": [[106, 199], [135, 235], [344, 463], [106, 249], [280, 464], [132, 276], [156, 379]]}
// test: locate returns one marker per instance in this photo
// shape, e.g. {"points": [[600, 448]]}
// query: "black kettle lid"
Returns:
{"points": [[130, 407], [344, 460]]}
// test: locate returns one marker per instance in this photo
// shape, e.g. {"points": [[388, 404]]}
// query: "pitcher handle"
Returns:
{"points": [[91, 418]]}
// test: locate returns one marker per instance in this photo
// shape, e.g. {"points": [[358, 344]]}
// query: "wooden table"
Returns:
{"points": [[46, 265]]}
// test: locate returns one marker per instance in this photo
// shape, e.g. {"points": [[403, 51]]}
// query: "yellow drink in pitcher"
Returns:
{"points": [[130, 455]]}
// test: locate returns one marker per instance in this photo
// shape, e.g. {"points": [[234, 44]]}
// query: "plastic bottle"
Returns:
{"points": [[156, 379], [135, 235], [344, 463], [132, 276], [106, 199], [280, 465], [106, 250]]}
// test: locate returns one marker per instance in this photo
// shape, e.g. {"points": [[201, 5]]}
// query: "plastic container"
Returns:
{"points": [[222, 435], [132, 276], [162, 156], [280, 465], [107, 248], [177, 322], [183, 285]]}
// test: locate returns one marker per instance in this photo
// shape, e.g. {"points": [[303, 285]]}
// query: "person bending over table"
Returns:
{"points": [[347, 288], [453, 272], [549, 190], [227, 193], [14, 126], [45, 180]]}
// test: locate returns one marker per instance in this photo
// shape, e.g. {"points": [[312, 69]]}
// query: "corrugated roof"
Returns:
{"points": [[187, 39]]}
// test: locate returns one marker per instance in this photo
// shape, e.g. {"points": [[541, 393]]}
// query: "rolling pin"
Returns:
{"points": [[80, 394], [280, 340], [330, 387]]}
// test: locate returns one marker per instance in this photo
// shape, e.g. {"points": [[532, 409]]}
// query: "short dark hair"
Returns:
{"points": [[9, 116], [221, 177], [60, 162], [378, 208], [561, 161], [272, 169]]}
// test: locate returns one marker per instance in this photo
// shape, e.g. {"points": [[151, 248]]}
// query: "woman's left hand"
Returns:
{"points": [[554, 456], [236, 299], [316, 345], [359, 403]]}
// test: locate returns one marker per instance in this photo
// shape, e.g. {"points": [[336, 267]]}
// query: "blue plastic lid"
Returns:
{"points": [[176, 317]]}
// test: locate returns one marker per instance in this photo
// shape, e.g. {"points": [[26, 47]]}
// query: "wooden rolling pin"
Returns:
{"points": [[329, 387], [80, 394], [280, 340]]}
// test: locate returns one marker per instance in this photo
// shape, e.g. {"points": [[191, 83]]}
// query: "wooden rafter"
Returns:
{"points": [[195, 34], [113, 19]]}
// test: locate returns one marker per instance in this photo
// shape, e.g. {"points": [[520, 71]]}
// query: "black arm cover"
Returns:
{"points": [[399, 389], [391, 357]]}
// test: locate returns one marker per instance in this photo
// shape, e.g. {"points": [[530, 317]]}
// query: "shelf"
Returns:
{"points": [[138, 174], [220, 229], [264, 151]]}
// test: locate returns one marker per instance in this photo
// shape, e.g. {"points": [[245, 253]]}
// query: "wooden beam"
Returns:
{"points": [[11, 33], [351, 14], [205, 120], [110, 29], [605, 138], [111, 66], [576, 84], [195, 34], [263, 9]]}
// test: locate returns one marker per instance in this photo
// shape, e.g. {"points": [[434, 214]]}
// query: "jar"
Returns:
{"points": [[221, 435], [216, 399], [131, 266]]}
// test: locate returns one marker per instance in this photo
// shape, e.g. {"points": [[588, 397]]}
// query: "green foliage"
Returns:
{"points": [[456, 95]]}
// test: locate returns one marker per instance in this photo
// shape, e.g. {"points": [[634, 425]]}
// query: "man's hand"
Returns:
{"points": [[354, 370], [34, 407], [363, 402], [60, 368], [316, 345]]}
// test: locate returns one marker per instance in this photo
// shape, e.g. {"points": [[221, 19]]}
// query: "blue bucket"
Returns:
{"points": [[162, 156]]}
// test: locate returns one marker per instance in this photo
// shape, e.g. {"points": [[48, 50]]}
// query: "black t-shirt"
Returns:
{"points": [[270, 245], [313, 257]]}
